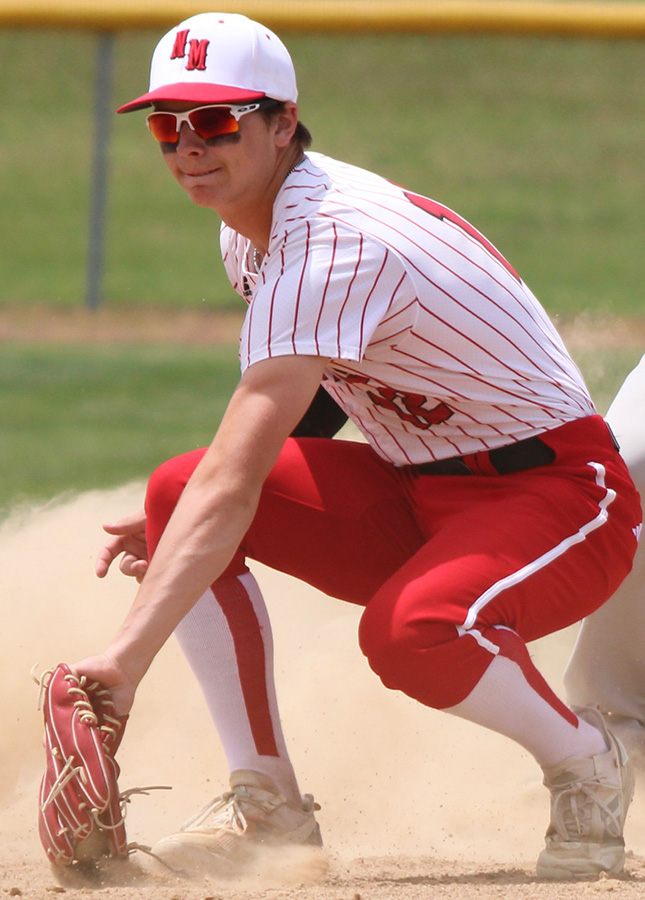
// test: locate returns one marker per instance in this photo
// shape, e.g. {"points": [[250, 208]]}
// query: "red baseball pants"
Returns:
{"points": [[441, 563]]}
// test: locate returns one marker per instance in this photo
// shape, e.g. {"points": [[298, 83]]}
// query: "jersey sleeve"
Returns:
{"points": [[232, 249], [323, 292]]}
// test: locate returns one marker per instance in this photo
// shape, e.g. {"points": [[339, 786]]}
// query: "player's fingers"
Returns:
{"points": [[109, 553], [106, 557], [133, 566], [134, 547], [134, 524]]}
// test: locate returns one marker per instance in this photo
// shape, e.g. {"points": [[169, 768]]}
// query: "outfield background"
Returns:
{"points": [[538, 140]]}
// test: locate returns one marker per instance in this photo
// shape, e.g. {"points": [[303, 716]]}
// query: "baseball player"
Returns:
{"points": [[607, 666], [487, 507]]}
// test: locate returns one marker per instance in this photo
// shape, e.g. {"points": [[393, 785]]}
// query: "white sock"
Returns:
{"points": [[504, 701], [221, 660]]}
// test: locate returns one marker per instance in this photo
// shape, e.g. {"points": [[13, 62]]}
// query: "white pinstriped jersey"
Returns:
{"points": [[436, 346]]}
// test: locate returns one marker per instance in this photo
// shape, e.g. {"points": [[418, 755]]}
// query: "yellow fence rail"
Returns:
{"points": [[608, 19]]}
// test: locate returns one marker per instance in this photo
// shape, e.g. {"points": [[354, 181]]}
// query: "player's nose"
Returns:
{"points": [[189, 143]]}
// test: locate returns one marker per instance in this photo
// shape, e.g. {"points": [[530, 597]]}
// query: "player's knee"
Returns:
{"points": [[165, 487], [409, 656], [163, 491]]}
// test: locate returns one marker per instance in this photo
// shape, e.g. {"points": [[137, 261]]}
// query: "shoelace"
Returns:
{"points": [[69, 771], [227, 813], [568, 800]]}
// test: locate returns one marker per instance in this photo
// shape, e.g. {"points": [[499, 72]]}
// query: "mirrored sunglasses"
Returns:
{"points": [[206, 121]]}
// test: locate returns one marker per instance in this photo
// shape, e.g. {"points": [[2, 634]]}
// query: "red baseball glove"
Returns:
{"points": [[80, 808]]}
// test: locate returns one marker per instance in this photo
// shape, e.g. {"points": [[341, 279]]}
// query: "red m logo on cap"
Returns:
{"points": [[196, 50]]}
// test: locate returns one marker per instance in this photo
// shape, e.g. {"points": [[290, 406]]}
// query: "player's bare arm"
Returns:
{"points": [[323, 418], [214, 513]]}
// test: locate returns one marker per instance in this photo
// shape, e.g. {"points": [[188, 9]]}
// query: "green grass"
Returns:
{"points": [[540, 142], [76, 418], [79, 418]]}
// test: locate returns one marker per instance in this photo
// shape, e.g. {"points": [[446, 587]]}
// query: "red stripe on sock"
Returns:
{"points": [[513, 647], [251, 661]]}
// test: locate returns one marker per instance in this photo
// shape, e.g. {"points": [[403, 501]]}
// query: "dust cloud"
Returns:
{"points": [[391, 776]]}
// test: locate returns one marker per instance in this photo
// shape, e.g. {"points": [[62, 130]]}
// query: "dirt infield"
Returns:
{"points": [[414, 804], [38, 324]]}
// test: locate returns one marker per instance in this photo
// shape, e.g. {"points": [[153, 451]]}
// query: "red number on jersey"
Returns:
{"points": [[442, 212], [409, 407]]}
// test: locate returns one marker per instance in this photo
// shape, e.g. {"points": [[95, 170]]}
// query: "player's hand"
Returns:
{"points": [[128, 541], [109, 673]]}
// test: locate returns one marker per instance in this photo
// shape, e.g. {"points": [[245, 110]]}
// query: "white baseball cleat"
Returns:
{"points": [[589, 803], [232, 831]]}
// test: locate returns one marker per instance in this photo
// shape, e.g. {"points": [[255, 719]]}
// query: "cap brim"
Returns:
{"points": [[191, 93]]}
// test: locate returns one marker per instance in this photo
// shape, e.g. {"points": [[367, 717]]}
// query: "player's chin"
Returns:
{"points": [[201, 193]]}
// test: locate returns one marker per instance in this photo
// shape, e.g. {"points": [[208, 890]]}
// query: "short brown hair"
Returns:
{"points": [[302, 135]]}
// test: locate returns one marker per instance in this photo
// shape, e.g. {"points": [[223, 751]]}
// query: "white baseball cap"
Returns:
{"points": [[218, 58]]}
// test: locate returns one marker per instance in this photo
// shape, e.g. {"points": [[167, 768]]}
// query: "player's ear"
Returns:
{"points": [[284, 124]]}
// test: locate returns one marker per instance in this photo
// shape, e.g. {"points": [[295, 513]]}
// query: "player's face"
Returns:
{"points": [[232, 171]]}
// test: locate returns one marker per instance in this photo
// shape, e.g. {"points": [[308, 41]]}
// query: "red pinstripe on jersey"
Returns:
{"points": [[436, 346]]}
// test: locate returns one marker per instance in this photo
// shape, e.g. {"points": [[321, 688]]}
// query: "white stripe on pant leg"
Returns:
{"points": [[479, 637], [544, 560]]}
